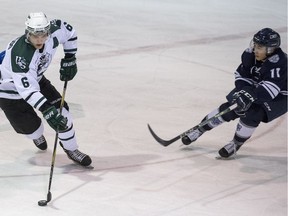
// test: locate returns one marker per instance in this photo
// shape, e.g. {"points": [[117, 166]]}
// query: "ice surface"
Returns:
{"points": [[166, 63]]}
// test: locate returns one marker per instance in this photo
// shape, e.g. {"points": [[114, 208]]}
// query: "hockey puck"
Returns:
{"points": [[42, 203]]}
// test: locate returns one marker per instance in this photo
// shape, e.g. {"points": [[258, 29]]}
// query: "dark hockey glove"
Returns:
{"points": [[244, 99], [68, 68], [54, 119]]}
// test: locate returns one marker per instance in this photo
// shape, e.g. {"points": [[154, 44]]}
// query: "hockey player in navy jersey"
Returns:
{"points": [[24, 88], [260, 91]]}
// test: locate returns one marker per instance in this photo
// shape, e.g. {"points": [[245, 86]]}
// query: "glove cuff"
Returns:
{"points": [[69, 55], [45, 106]]}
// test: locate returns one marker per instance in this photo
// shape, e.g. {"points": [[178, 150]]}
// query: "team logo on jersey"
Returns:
{"points": [[274, 58], [21, 62], [255, 71], [43, 62]]}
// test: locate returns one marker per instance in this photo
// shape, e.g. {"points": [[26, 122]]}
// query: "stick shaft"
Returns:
{"points": [[168, 142], [49, 196]]}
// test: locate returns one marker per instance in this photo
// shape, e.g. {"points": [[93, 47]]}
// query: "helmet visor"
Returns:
{"points": [[38, 31]]}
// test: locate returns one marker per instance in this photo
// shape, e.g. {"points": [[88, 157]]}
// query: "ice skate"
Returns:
{"points": [[78, 157], [40, 143], [230, 149], [191, 137]]}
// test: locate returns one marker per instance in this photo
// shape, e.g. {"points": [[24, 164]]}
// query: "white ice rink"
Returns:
{"points": [[163, 62]]}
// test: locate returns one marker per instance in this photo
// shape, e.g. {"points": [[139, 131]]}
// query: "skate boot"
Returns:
{"points": [[78, 157], [40, 143], [191, 137], [230, 149]]}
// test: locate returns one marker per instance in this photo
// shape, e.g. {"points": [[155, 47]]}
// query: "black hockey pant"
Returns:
{"points": [[22, 116]]}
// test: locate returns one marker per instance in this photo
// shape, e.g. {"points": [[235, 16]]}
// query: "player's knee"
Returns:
{"points": [[227, 116], [254, 116], [27, 126]]}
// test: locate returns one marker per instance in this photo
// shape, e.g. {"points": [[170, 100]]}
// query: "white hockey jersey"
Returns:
{"points": [[23, 66]]}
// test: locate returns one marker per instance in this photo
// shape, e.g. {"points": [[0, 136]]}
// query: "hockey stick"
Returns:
{"points": [[49, 194], [168, 142]]}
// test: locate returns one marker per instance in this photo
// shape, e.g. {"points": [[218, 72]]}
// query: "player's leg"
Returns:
{"points": [[244, 131], [248, 123], [67, 138], [24, 120], [194, 135]]}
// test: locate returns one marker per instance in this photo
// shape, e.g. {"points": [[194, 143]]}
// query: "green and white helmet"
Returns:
{"points": [[37, 23]]}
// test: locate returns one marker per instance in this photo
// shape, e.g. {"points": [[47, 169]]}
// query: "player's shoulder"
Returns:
{"points": [[248, 53], [278, 59], [58, 24], [20, 46], [55, 25], [21, 53], [248, 57]]}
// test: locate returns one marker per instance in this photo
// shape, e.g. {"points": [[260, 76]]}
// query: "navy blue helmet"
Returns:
{"points": [[267, 37]]}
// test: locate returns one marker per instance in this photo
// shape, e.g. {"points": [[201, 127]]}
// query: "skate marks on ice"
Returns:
{"points": [[76, 110], [248, 174], [177, 44], [100, 163], [195, 167], [263, 171], [80, 177]]}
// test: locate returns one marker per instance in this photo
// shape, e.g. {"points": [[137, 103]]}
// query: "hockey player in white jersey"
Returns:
{"points": [[24, 88]]}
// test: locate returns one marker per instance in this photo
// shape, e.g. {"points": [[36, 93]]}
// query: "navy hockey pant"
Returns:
{"points": [[258, 113]]}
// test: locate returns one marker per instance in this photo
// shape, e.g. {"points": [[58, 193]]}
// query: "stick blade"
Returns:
{"points": [[161, 141], [49, 196]]}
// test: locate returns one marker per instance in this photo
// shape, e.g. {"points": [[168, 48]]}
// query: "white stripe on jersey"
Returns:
{"points": [[8, 90], [271, 88]]}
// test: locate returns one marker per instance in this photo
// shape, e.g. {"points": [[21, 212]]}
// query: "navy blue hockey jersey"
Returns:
{"points": [[269, 78]]}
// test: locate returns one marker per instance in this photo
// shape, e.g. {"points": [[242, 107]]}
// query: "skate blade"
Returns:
{"points": [[89, 167], [223, 158]]}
